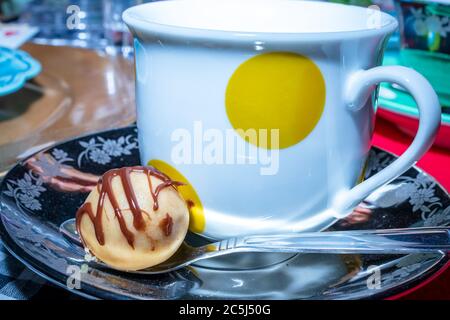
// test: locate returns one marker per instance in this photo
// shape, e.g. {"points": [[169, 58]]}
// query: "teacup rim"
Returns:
{"points": [[136, 23]]}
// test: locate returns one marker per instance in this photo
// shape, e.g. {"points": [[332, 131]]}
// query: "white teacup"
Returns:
{"points": [[302, 73]]}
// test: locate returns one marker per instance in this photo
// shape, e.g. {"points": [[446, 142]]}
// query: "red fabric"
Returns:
{"points": [[437, 163]]}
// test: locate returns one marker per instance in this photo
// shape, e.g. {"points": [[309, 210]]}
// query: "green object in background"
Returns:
{"points": [[433, 66], [362, 3], [403, 103]]}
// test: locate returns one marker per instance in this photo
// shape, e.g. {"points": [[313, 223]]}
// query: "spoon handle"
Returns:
{"points": [[392, 241]]}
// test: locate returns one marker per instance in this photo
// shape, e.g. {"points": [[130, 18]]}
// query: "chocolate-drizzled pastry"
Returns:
{"points": [[134, 219]]}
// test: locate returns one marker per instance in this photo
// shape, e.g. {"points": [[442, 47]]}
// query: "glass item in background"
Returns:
{"points": [[67, 22], [118, 37], [426, 25], [425, 35], [95, 24]]}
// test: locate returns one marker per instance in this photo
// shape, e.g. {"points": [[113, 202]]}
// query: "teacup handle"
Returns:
{"points": [[358, 90]]}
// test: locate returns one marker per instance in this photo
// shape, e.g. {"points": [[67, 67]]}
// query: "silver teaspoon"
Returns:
{"points": [[391, 241]]}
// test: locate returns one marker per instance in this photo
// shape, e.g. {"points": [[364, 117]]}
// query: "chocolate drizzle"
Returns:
{"points": [[166, 225], [105, 189], [190, 203]]}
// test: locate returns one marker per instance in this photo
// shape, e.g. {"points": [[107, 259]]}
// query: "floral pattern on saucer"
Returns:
{"points": [[102, 150], [26, 191], [16, 67]]}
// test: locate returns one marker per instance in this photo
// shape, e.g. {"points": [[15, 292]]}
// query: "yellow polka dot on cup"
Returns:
{"points": [[197, 220], [276, 90]]}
